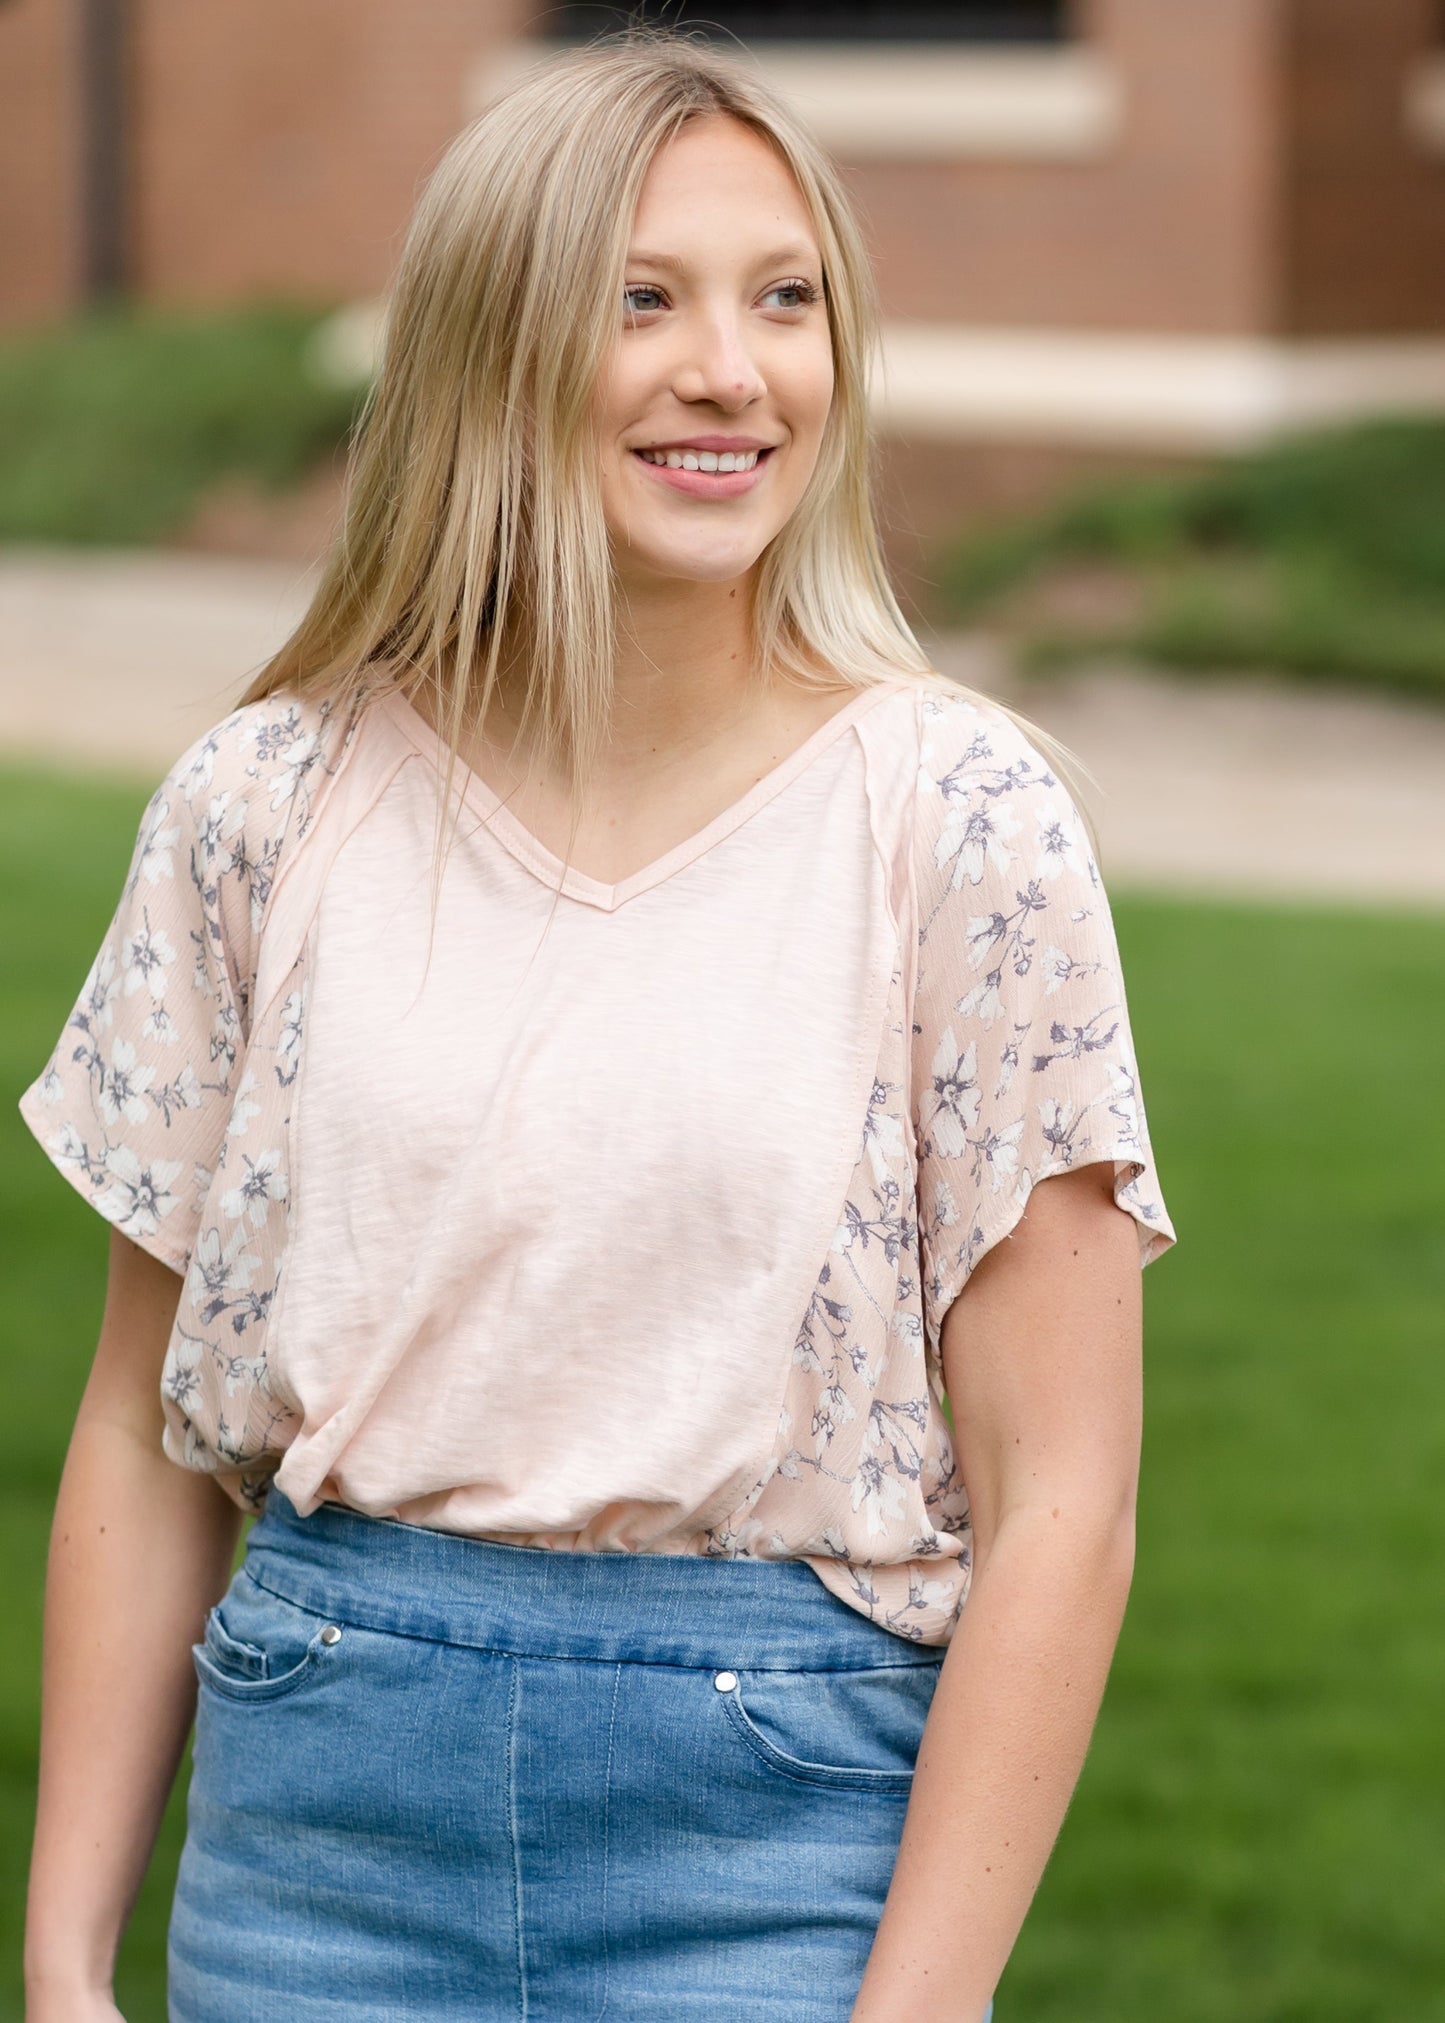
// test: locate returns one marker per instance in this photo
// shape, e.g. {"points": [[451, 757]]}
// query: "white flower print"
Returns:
{"points": [[217, 1274], [1058, 846], [244, 1106], [146, 957], [973, 838], [102, 990], [157, 853], [985, 1002], [120, 1090], [161, 1027], [139, 1197], [882, 1131], [951, 1106], [996, 1153], [262, 1183], [215, 832]]}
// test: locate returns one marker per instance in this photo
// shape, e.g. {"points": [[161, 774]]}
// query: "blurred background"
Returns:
{"points": [[1161, 421]]}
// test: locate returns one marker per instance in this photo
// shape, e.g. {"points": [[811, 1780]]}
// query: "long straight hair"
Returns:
{"points": [[473, 512]]}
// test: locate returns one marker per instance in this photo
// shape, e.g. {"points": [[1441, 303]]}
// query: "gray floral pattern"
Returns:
{"points": [[1012, 1062], [163, 1106], [1004, 1057]]}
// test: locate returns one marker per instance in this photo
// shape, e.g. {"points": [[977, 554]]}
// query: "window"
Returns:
{"points": [[999, 21]]}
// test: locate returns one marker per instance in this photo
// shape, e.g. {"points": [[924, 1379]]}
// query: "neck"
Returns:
{"points": [[683, 667]]}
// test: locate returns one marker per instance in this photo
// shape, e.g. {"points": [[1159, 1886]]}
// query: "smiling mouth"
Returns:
{"points": [[713, 462]]}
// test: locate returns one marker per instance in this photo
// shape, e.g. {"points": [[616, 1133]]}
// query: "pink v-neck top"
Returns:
{"points": [[613, 1218]]}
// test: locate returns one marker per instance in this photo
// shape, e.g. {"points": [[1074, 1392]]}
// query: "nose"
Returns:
{"points": [[716, 365]]}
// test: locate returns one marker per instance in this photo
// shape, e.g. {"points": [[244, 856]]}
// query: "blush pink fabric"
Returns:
{"points": [[610, 1217]]}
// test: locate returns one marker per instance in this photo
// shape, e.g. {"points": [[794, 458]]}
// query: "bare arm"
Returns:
{"points": [[139, 1550], [1042, 1362]]}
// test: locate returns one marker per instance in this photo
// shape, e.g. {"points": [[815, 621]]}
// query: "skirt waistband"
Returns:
{"points": [[654, 1608]]}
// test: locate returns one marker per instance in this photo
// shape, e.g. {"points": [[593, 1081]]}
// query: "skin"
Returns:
{"points": [[1041, 1350], [139, 1551], [714, 337]]}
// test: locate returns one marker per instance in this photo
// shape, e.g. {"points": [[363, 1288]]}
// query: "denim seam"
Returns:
{"points": [[355, 1621], [517, 1884], [606, 1842]]}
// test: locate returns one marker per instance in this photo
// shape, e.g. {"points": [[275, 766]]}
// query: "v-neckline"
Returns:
{"points": [[531, 852]]}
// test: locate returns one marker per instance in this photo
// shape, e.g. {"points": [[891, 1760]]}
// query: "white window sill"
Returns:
{"points": [[914, 101], [949, 382]]}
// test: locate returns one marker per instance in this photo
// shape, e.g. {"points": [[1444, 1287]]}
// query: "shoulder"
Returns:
{"points": [[988, 801], [251, 783], [969, 746], [267, 751]]}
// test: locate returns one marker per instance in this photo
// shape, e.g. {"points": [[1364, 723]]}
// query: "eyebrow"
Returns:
{"points": [[781, 256]]}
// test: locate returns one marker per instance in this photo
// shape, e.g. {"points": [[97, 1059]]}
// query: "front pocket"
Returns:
{"points": [[856, 1730], [261, 1646]]}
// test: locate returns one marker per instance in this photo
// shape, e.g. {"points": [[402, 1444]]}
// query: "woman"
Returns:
{"points": [[568, 1053]]}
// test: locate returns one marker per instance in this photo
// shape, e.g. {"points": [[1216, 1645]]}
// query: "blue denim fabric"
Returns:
{"points": [[444, 1778]]}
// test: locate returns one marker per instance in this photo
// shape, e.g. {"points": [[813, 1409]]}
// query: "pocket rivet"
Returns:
{"points": [[725, 1681], [331, 1634]]}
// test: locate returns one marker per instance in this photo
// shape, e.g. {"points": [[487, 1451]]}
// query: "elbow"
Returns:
{"points": [[1088, 1541]]}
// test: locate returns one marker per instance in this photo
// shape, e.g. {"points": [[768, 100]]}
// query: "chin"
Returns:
{"points": [[717, 565]]}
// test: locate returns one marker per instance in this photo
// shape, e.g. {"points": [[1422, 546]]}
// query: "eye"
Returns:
{"points": [[644, 307], [803, 293]]}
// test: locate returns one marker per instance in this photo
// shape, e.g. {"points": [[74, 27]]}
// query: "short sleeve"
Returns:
{"points": [[133, 1104], [1023, 1058]]}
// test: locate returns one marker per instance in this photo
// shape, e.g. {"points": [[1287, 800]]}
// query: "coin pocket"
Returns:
{"points": [[855, 1730]]}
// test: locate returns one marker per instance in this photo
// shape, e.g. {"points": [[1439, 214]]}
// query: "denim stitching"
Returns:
{"points": [[606, 1847], [354, 1614], [516, 1851]]}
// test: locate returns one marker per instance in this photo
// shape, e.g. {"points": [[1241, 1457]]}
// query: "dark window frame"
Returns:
{"points": [[965, 22]]}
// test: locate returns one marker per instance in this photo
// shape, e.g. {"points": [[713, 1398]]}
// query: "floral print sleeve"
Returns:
{"points": [[134, 1104], [1024, 1063]]}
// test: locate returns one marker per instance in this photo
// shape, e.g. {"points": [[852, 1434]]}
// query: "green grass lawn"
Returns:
{"points": [[1258, 1835]]}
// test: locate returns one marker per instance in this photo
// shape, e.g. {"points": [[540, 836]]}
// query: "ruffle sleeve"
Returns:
{"points": [[1023, 1058]]}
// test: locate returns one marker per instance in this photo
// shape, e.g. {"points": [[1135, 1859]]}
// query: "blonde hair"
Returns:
{"points": [[473, 509]]}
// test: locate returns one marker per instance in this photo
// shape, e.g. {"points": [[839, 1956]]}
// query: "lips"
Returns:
{"points": [[737, 445], [695, 482]]}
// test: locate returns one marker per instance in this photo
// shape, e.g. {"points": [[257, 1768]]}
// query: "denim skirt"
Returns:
{"points": [[437, 1777]]}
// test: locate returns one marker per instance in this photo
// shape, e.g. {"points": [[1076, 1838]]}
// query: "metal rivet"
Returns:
{"points": [[331, 1634], [725, 1681]]}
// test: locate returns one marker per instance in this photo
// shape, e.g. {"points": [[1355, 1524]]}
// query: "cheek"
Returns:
{"points": [[813, 394], [612, 402]]}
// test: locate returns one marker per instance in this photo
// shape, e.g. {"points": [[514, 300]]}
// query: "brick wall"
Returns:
{"points": [[1177, 230], [40, 161], [279, 148], [1365, 206], [1263, 183]]}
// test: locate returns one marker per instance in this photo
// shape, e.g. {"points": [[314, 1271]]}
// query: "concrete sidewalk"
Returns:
{"points": [[1230, 788]]}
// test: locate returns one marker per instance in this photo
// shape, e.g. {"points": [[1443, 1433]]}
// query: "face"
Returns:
{"points": [[712, 407]]}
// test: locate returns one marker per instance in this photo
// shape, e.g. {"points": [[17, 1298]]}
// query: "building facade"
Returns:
{"points": [[1105, 230]]}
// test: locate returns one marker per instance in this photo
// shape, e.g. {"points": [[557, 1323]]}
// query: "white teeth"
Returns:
{"points": [[701, 460]]}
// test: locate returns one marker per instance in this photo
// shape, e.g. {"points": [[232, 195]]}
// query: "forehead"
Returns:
{"points": [[718, 175]]}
